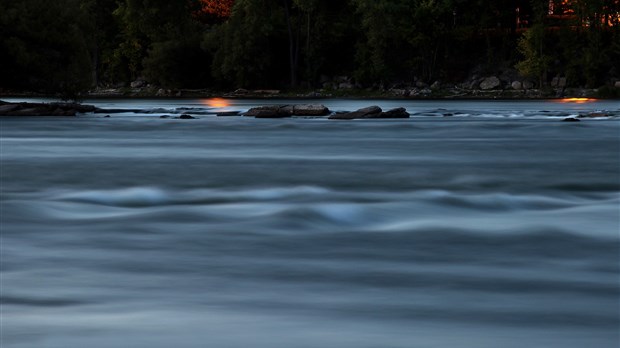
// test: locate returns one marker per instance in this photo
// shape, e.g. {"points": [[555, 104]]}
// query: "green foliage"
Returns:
{"points": [[45, 46], [241, 46], [535, 61], [68, 46], [403, 38], [178, 64], [608, 92], [381, 21]]}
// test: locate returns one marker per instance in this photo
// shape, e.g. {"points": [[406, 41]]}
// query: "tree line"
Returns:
{"points": [[74, 45]]}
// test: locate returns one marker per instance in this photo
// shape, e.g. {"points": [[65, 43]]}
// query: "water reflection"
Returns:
{"points": [[216, 102], [577, 100]]}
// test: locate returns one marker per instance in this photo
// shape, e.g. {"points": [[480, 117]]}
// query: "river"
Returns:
{"points": [[471, 224]]}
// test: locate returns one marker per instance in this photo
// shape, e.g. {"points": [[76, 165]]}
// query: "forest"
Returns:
{"points": [[71, 46]]}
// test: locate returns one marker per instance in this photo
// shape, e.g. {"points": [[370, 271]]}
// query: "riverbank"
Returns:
{"points": [[405, 93]]}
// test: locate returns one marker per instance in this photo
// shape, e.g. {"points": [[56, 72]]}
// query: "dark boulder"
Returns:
{"points": [[270, 111], [44, 109], [310, 110], [5, 109], [119, 111], [394, 113], [80, 108], [187, 117], [280, 111], [571, 119], [368, 112], [491, 82]]}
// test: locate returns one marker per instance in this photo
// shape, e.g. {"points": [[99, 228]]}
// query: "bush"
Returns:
{"points": [[177, 64], [608, 92]]}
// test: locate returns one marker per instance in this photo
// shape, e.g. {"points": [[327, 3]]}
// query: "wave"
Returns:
{"points": [[315, 209], [494, 201], [149, 196]]}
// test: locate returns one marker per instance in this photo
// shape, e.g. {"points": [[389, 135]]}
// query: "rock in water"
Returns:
{"points": [[279, 111], [187, 117], [394, 113], [6, 109], [368, 112], [571, 119], [270, 111], [310, 110], [44, 109]]}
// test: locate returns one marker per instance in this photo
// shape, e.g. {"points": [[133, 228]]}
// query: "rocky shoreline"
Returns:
{"points": [[488, 88], [454, 92]]}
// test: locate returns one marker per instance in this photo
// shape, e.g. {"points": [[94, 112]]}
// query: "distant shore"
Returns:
{"points": [[397, 94]]}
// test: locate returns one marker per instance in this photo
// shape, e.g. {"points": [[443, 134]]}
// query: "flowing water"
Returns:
{"points": [[471, 224]]}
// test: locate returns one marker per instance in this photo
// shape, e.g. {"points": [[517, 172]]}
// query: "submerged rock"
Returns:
{"points": [[187, 117], [594, 114], [228, 113], [571, 119]]}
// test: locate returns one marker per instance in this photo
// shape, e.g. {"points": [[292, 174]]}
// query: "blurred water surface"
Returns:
{"points": [[472, 224]]}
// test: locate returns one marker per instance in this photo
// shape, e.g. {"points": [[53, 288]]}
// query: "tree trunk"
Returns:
{"points": [[95, 65], [293, 52]]}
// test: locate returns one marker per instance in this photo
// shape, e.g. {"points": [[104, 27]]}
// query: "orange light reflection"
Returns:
{"points": [[577, 100], [216, 102]]}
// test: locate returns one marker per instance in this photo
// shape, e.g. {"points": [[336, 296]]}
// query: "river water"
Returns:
{"points": [[471, 224]]}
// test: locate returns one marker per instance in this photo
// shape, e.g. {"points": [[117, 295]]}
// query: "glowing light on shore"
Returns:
{"points": [[577, 100], [216, 102]]}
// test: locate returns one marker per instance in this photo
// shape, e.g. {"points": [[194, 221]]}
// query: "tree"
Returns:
{"points": [[161, 39], [380, 54], [535, 62], [242, 45], [532, 45], [45, 46], [401, 38], [103, 29]]}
